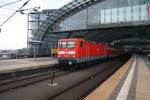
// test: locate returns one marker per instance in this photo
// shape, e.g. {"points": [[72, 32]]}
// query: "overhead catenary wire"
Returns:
{"points": [[15, 13], [9, 9], [8, 6], [10, 3]]}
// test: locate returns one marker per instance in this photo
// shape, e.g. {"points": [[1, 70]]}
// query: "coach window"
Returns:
{"points": [[81, 45]]}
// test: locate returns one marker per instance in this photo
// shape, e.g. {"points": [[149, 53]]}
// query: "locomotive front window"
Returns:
{"points": [[71, 44], [62, 44]]}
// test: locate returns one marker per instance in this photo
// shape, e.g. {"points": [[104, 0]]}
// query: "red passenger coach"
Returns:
{"points": [[76, 51]]}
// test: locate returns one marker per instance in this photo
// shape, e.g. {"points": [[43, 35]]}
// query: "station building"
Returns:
{"points": [[97, 20], [35, 20]]}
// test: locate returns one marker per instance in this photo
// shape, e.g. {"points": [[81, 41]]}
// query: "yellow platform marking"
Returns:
{"points": [[123, 94], [104, 91]]}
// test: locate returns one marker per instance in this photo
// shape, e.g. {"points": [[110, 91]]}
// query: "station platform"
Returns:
{"points": [[130, 82], [14, 65]]}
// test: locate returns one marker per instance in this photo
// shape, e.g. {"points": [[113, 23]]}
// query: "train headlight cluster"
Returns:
{"points": [[70, 63], [57, 62]]}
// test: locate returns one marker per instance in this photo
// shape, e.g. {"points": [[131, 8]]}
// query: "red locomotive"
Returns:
{"points": [[76, 51]]}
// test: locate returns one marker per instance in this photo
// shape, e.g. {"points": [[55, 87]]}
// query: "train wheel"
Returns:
{"points": [[81, 66], [62, 68], [73, 68], [58, 66]]}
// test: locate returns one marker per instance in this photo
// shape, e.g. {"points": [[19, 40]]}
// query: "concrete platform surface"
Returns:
{"points": [[13, 65], [130, 82]]}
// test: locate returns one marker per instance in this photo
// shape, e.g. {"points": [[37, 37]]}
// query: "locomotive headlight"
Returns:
{"points": [[57, 62], [70, 63], [71, 52]]}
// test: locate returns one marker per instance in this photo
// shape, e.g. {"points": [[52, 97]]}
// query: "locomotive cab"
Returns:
{"points": [[67, 51]]}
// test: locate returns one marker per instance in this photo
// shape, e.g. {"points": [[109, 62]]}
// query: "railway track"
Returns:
{"points": [[88, 84], [22, 81], [71, 85], [19, 73]]}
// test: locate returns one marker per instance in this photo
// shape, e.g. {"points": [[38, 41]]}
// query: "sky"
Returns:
{"points": [[14, 32]]}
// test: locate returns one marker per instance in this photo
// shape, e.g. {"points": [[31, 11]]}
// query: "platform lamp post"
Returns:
{"points": [[22, 12], [35, 43]]}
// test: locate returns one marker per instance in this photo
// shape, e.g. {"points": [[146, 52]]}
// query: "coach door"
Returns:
{"points": [[87, 52]]}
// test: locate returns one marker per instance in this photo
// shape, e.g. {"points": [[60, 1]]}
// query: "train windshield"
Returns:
{"points": [[69, 44], [62, 44]]}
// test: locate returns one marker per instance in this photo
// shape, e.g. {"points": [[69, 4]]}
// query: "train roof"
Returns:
{"points": [[71, 39]]}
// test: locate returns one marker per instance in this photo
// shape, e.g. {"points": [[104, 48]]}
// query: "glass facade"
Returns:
{"points": [[50, 41], [80, 15], [105, 12], [35, 20]]}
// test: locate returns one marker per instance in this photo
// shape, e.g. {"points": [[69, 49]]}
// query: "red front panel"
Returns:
{"points": [[66, 51]]}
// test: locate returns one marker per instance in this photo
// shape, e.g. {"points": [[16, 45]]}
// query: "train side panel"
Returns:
{"points": [[84, 51]]}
